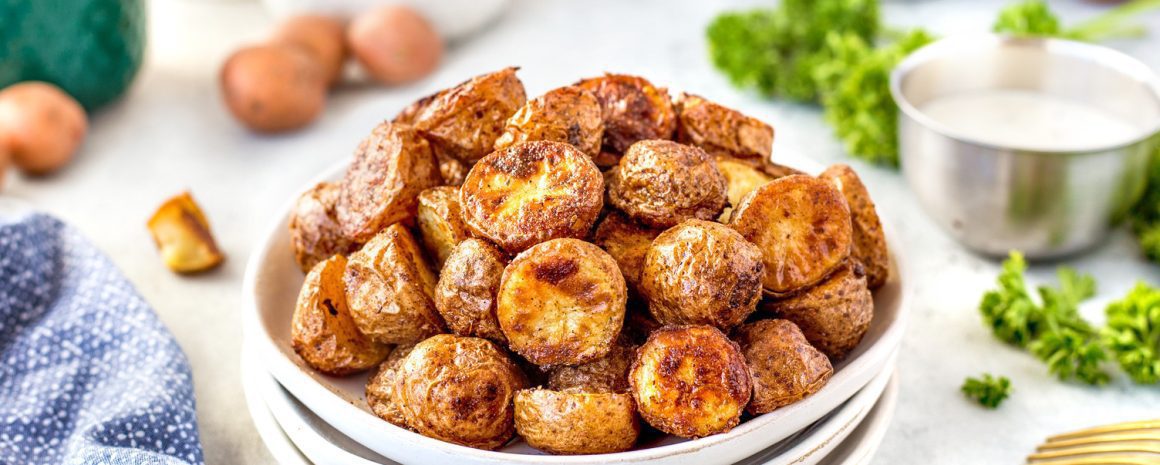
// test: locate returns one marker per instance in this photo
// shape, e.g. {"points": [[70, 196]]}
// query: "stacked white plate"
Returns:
{"points": [[308, 417]]}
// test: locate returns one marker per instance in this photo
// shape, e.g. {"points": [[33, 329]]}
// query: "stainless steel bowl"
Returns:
{"points": [[995, 199]]}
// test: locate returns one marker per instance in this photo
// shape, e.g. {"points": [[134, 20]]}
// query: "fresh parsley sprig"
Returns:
{"points": [[1132, 333], [987, 390]]}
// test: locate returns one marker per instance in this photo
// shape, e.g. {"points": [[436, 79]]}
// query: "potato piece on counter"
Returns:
{"points": [[634, 110], [395, 44], [661, 183], [784, 366], [606, 374], [869, 240], [320, 36], [627, 242], [315, 233], [568, 114], [389, 289], [440, 222], [466, 292], [834, 315], [380, 389], [720, 130], [182, 235], [575, 422], [322, 331], [41, 127], [464, 121], [273, 88]]}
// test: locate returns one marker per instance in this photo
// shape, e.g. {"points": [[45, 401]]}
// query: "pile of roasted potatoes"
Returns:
{"points": [[561, 268]]}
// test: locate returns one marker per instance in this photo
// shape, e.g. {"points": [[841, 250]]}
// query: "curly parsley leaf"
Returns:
{"points": [[1132, 333], [1031, 18], [987, 390], [1145, 215]]}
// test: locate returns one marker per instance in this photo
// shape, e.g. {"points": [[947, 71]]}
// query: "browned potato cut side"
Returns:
{"points": [[573, 422], [627, 242], [833, 315], [465, 121], [869, 241], [389, 289], [380, 389], [661, 183], [440, 222], [784, 366], [451, 169], [606, 374], [322, 331], [465, 294], [633, 109], [568, 114], [315, 233], [720, 130]]}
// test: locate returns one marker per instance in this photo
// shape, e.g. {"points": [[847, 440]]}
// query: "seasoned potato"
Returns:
{"points": [[440, 222], [802, 226], [561, 303], [322, 331], [661, 183], [869, 241], [389, 289], [382, 185], [741, 178], [465, 294], [633, 108], [459, 389], [690, 381], [627, 242], [700, 272], [412, 111], [465, 121], [451, 169], [380, 390], [785, 368], [833, 315], [182, 234], [575, 422], [779, 171], [531, 192], [605, 159], [315, 233], [606, 374], [567, 114], [720, 130]]}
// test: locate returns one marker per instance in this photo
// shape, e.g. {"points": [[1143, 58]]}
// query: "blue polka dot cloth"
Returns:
{"points": [[88, 374]]}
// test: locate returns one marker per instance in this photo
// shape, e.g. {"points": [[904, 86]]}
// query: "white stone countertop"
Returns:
{"points": [[171, 132]]}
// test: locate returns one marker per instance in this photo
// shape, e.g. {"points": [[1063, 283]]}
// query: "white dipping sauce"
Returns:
{"points": [[1029, 120]]}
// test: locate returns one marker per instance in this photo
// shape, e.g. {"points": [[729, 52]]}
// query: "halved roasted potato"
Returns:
{"points": [[561, 303], [532, 192], [720, 130], [465, 294], [606, 374], [315, 233], [567, 114], [834, 315], [784, 366], [633, 108], [465, 121], [389, 289], [440, 222], [451, 169], [380, 389], [322, 331], [661, 183], [741, 178], [869, 241], [576, 422], [802, 226], [627, 241]]}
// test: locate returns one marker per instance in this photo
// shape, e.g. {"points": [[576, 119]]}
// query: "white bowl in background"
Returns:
{"points": [[453, 19]]}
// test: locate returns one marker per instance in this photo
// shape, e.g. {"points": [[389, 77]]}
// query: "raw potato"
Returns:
{"points": [[41, 127], [574, 422], [633, 108], [466, 292], [320, 36], [273, 88], [382, 185], [627, 242], [720, 130], [389, 289], [869, 241], [567, 114], [784, 366], [532, 192], [464, 121], [395, 44], [380, 390], [833, 315], [606, 374], [315, 233], [440, 223], [322, 331], [690, 381], [701, 272], [661, 183], [802, 226], [182, 235], [561, 303], [459, 389]]}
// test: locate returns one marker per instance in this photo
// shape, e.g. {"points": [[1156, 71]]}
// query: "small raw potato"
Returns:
{"points": [[561, 303], [722, 131], [273, 88], [459, 389], [382, 185], [440, 222], [869, 241], [464, 121], [701, 272], [380, 390], [802, 226], [661, 183], [322, 331], [465, 294], [389, 289], [606, 374], [315, 233], [532, 192], [634, 110], [784, 366], [182, 235], [690, 381], [627, 242], [395, 44], [575, 422], [41, 127], [568, 114], [320, 36], [833, 315]]}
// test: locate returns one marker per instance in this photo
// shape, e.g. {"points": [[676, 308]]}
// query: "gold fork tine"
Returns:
{"points": [[1098, 449], [1102, 460], [1118, 427], [1101, 439]]}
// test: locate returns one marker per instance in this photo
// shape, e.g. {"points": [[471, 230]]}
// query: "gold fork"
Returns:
{"points": [[1129, 443]]}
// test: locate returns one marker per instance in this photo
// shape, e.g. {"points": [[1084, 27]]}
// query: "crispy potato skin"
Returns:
{"points": [[322, 331], [834, 315], [784, 366], [382, 185], [701, 272], [869, 241], [606, 374], [573, 422], [380, 390], [532, 192], [440, 222], [802, 226], [628, 242], [315, 233], [690, 381], [465, 294], [720, 130], [389, 289], [633, 110], [561, 303], [459, 389], [465, 121], [661, 183], [568, 114]]}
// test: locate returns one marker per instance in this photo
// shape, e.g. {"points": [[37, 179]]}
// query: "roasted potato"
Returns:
{"points": [[802, 226], [575, 422], [389, 289], [380, 390], [322, 331], [720, 130], [701, 272], [561, 303], [567, 114], [627, 241], [633, 108], [690, 381], [834, 315], [741, 178], [784, 366], [451, 169], [465, 121], [440, 222], [465, 294], [411, 112], [661, 183], [315, 233], [606, 374], [779, 171], [532, 192], [459, 389], [382, 185], [605, 159], [869, 241], [183, 236]]}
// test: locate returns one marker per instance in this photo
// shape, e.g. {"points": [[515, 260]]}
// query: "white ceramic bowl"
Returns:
{"points": [[453, 19]]}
